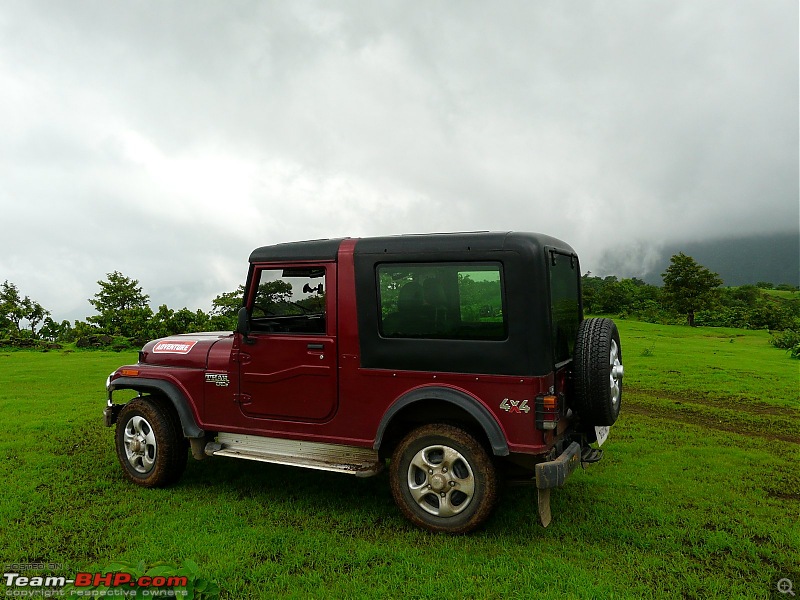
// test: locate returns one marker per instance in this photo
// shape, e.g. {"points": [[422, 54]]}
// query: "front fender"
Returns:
{"points": [[464, 401], [168, 390]]}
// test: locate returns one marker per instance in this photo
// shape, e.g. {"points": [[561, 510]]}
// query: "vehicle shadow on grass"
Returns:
{"points": [[361, 507], [291, 496], [282, 496]]}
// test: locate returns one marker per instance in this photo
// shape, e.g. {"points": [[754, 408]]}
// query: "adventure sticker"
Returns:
{"points": [[172, 347]]}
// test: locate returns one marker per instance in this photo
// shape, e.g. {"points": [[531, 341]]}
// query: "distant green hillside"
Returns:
{"points": [[739, 261]]}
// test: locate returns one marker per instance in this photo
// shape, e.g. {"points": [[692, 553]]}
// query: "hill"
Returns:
{"points": [[738, 260]]}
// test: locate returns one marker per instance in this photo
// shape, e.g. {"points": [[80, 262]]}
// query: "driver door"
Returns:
{"points": [[288, 363]]}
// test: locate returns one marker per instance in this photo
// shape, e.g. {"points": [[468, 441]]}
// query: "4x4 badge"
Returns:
{"points": [[515, 406]]}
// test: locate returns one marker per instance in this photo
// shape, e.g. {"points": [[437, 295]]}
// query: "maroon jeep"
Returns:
{"points": [[456, 358]]}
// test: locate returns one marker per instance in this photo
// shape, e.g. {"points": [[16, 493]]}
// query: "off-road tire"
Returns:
{"points": [[598, 372], [149, 442], [443, 479]]}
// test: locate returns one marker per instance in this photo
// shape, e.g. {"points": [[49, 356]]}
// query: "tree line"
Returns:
{"points": [[124, 318], [691, 294]]}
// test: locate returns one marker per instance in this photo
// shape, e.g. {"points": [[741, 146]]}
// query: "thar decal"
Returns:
{"points": [[220, 379]]}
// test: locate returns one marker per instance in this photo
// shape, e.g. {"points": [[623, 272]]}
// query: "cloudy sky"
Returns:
{"points": [[166, 140]]}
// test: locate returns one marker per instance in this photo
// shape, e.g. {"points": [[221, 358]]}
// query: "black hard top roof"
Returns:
{"points": [[308, 250], [480, 241]]}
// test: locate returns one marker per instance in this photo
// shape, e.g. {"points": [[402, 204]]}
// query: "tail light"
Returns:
{"points": [[547, 411]]}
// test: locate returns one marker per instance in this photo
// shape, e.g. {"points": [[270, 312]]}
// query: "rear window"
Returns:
{"points": [[445, 301], [565, 304]]}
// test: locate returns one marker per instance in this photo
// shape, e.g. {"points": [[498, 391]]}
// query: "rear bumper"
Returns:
{"points": [[554, 473]]}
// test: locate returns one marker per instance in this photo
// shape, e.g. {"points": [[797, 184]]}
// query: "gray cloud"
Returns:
{"points": [[167, 140]]}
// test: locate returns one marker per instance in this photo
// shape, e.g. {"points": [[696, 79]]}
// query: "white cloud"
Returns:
{"points": [[166, 141]]}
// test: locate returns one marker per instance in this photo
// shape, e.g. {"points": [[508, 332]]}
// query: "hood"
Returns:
{"points": [[187, 350]]}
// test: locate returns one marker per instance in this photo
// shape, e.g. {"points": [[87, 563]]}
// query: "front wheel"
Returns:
{"points": [[149, 442], [443, 480]]}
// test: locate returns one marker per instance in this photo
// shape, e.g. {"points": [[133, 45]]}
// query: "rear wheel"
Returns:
{"points": [[150, 444], [598, 371], [443, 480]]}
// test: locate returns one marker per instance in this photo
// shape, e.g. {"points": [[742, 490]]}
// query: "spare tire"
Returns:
{"points": [[598, 372]]}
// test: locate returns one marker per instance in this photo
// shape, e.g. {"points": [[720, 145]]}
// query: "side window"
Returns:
{"points": [[564, 303], [290, 300], [444, 301]]}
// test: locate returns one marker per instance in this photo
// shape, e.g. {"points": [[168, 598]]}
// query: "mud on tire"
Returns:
{"points": [[442, 479], [150, 444]]}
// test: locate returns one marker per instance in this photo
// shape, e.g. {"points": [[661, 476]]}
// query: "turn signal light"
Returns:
{"points": [[129, 372]]}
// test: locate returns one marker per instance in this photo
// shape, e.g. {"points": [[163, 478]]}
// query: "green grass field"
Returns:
{"points": [[698, 495], [789, 295]]}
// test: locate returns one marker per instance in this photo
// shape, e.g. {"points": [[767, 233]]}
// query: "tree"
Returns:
{"points": [[480, 300], [627, 297], [54, 332], [273, 297], [34, 313], [169, 322], [688, 286], [227, 304], [161, 322], [12, 310], [224, 310], [122, 306]]}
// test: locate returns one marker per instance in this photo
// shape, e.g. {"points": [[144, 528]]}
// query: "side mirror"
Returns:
{"points": [[243, 323], [307, 289]]}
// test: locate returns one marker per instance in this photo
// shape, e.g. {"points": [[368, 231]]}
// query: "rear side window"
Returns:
{"points": [[565, 304], [444, 301]]}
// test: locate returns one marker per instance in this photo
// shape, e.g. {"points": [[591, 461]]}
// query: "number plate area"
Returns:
{"points": [[602, 434]]}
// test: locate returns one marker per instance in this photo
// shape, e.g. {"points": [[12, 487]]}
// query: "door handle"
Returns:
{"points": [[316, 346]]}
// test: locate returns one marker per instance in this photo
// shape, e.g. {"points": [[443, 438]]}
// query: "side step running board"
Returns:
{"points": [[354, 460]]}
